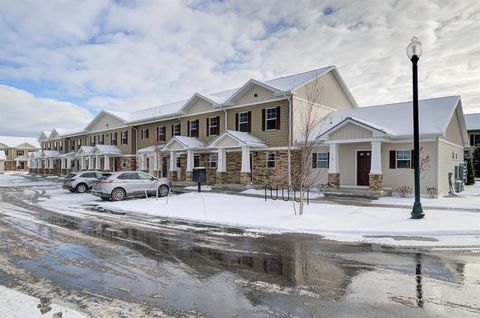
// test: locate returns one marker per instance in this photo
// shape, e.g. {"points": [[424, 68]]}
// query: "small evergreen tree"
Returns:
{"points": [[476, 161], [470, 172]]}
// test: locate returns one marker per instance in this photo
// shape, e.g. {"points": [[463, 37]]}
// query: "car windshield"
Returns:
{"points": [[70, 175]]}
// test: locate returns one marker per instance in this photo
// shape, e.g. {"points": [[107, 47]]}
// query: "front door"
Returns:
{"points": [[363, 167]]}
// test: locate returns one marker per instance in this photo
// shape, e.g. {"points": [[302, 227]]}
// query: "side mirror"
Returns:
{"points": [[153, 179]]}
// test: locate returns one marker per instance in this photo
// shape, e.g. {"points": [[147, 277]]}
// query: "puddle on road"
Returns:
{"points": [[185, 266]]}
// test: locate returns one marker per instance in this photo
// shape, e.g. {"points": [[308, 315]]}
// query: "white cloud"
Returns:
{"points": [[127, 54], [23, 114]]}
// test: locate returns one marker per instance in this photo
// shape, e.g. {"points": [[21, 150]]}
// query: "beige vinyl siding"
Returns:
{"points": [[106, 122], [300, 110], [454, 132], [350, 131], [326, 90], [273, 138], [199, 106], [319, 176], [202, 125], [152, 133], [396, 178], [347, 160], [446, 163], [126, 149], [263, 94]]}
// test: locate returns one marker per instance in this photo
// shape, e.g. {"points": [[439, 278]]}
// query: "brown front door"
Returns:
{"points": [[363, 167]]}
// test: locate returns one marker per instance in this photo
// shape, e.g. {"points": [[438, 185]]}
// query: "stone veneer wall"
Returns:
{"points": [[234, 165], [278, 175], [183, 167]]}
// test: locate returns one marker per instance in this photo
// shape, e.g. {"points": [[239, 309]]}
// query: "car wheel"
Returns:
{"points": [[81, 188], [163, 190], [118, 194]]}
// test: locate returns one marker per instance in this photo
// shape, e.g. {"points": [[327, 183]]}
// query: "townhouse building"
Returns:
{"points": [[253, 135], [16, 150]]}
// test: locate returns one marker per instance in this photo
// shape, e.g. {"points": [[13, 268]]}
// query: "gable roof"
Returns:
{"points": [[472, 121], [106, 150], [45, 135], [242, 138], [396, 119], [120, 116], [186, 142], [196, 97], [17, 142]]}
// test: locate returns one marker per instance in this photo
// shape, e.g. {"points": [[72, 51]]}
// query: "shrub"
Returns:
{"points": [[470, 172], [432, 192], [405, 191]]}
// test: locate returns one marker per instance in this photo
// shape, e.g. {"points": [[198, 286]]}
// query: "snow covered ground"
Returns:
{"points": [[339, 222], [468, 199], [16, 304], [18, 179]]}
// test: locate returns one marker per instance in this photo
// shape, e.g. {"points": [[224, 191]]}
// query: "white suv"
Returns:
{"points": [[83, 181]]}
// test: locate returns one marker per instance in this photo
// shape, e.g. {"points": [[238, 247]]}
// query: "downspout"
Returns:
{"points": [[290, 127]]}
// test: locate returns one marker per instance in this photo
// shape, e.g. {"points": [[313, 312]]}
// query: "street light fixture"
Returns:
{"points": [[414, 51]]}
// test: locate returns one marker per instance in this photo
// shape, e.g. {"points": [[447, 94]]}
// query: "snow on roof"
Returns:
{"points": [[2, 155], [68, 154], [244, 137], [14, 142], [396, 119], [121, 115], [85, 150], [150, 149], [189, 142], [288, 83], [106, 150], [472, 121], [158, 111]]}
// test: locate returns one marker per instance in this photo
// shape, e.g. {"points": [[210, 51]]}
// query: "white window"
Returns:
{"points": [[271, 159], [322, 160], [161, 133], [54, 144], [404, 158], [213, 160], [213, 126], [243, 121], [114, 139], [193, 128], [145, 133], [176, 130], [271, 118], [124, 137]]}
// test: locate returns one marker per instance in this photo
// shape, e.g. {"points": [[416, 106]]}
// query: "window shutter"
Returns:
{"points": [[188, 128], [173, 130], [328, 160], [236, 122], [198, 128], [208, 126], [249, 125], [278, 117], [393, 159], [412, 160], [314, 160], [471, 140], [217, 130], [179, 129], [263, 119]]}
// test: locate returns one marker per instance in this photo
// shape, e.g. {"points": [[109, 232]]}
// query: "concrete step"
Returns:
{"points": [[356, 193]]}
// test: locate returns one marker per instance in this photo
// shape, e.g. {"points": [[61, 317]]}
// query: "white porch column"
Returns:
{"points": [[62, 163], [90, 163], [106, 164], [69, 163], [222, 160], [189, 160], [376, 164], [50, 163], [155, 161], [173, 161], [246, 159], [97, 163], [333, 164], [82, 163]]}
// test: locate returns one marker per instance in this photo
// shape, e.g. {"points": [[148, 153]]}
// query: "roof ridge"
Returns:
{"points": [[408, 101], [318, 69]]}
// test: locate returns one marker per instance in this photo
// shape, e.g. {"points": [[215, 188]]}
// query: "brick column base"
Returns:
{"points": [[189, 176], [375, 182], [333, 181], [173, 175], [245, 178], [221, 177]]}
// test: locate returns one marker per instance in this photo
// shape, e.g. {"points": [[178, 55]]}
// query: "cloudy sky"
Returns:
{"points": [[62, 61]]}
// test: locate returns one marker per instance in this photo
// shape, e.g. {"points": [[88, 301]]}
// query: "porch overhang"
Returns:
{"points": [[84, 151], [236, 139], [179, 143], [376, 131], [150, 149], [106, 150]]}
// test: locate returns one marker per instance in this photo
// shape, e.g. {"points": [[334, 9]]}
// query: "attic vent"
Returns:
{"points": [[255, 95]]}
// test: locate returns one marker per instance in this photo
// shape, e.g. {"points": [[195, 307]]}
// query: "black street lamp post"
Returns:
{"points": [[414, 51]]}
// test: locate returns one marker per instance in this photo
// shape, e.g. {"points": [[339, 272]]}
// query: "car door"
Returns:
{"points": [[89, 178], [147, 182], [129, 181]]}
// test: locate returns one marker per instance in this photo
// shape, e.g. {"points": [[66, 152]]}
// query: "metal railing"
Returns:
{"points": [[291, 193]]}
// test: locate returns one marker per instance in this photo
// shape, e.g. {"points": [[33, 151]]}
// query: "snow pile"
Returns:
{"points": [[339, 222], [16, 304]]}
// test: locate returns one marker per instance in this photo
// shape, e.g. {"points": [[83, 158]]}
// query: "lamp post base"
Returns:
{"points": [[417, 211]]}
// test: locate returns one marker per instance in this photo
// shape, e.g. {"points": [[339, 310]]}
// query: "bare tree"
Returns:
{"points": [[308, 115]]}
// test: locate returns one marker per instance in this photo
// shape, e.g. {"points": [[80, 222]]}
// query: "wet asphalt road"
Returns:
{"points": [[131, 266]]}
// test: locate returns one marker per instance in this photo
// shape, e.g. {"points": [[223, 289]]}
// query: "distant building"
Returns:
{"points": [[3, 157], [473, 130], [16, 150]]}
